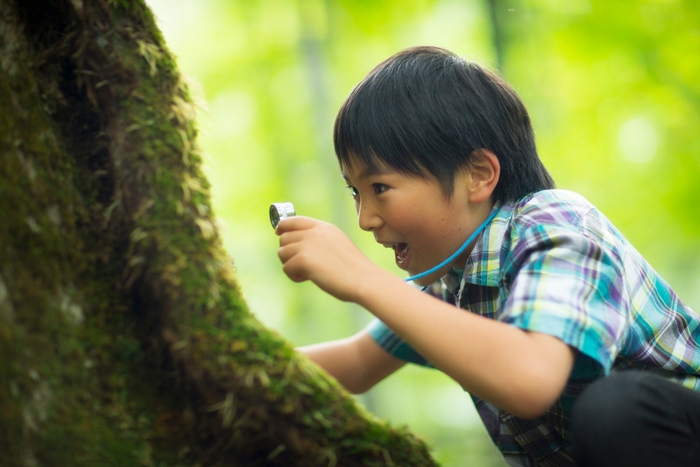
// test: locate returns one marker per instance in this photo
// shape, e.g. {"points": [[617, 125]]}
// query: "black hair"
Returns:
{"points": [[426, 111]]}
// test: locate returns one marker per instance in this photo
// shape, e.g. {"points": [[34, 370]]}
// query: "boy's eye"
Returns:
{"points": [[379, 188], [353, 191]]}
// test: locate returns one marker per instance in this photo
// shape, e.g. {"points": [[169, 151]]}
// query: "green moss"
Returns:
{"points": [[130, 340]]}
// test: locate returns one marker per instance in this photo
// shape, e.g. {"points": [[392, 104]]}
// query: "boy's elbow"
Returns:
{"points": [[356, 391], [356, 387], [528, 409], [538, 387], [534, 400]]}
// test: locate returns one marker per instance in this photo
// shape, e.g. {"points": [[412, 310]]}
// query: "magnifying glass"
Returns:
{"points": [[279, 211]]}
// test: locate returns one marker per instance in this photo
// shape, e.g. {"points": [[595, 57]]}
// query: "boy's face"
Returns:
{"points": [[412, 216]]}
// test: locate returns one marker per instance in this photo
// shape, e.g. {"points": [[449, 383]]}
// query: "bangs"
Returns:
{"points": [[373, 135], [394, 118]]}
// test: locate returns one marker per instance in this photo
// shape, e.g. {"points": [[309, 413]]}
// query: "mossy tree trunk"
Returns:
{"points": [[124, 339]]}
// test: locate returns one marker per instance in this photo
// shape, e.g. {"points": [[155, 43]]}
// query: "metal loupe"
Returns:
{"points": [[279, 211]]}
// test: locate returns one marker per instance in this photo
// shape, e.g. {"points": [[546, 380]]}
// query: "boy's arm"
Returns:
{"points": [[522, 372], [357, 362]]}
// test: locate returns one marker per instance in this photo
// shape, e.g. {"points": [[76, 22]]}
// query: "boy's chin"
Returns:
{"points": [[429, 279]]}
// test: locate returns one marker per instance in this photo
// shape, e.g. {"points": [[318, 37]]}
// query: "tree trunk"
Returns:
{"points": [[124, 339]]}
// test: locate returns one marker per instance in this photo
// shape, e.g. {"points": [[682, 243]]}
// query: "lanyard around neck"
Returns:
{"points": [[458, 252]]}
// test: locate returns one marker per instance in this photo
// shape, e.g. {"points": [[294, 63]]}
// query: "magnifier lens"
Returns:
{"points": [[279, 211]]}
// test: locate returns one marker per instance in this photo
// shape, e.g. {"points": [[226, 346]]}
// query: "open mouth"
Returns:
{"points": [[401, 252]]}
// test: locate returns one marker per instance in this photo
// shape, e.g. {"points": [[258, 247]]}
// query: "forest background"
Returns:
{"points": [[611, 87]]}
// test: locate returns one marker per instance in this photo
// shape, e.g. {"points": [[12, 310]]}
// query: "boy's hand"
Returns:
{"points": [[318, 251]]}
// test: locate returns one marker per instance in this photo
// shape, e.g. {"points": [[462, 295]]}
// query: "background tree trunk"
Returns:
{"points": [[124, 339]]}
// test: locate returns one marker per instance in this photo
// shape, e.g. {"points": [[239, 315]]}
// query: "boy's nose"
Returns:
{"points": [[368, 218]]}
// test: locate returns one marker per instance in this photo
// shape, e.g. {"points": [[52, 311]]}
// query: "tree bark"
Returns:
{"points": [[124, 338]]}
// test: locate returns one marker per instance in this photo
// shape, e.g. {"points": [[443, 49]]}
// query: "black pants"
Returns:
{"points": [[636, 419]]}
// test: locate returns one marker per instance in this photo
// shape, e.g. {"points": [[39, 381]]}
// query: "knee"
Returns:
{"points": [[607, 416], [609, 403]]}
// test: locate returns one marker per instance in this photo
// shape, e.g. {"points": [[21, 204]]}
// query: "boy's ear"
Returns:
{"points": [[485, 171]]}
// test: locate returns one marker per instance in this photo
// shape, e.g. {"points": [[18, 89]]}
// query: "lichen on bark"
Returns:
{"points": [[124, 338]]}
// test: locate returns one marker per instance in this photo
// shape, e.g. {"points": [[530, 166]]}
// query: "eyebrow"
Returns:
{"points": [[368, 172]]}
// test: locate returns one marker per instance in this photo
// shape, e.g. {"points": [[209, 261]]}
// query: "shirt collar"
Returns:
{"points": [[484, 262]]}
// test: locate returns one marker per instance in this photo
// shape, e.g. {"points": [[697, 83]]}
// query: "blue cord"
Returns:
{"points": [[458, 252]]}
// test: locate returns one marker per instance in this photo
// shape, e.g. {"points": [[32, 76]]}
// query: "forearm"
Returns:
{"points": [[337, 361], [357, 362], [518, 371]]}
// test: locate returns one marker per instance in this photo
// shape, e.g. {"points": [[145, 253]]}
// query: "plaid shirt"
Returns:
{"points": [[552, 263]]}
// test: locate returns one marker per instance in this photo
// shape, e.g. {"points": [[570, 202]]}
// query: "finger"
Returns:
{"points": [[291, 269], [287, 252], [294, 236], [295, 223]]}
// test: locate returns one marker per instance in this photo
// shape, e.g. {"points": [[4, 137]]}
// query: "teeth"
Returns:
{"points": [[402, 253]]}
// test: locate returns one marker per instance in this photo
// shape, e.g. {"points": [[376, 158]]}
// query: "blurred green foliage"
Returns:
{"points": [[612, 89]]}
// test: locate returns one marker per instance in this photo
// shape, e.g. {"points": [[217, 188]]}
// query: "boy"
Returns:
{"points": [[546, 302]]}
